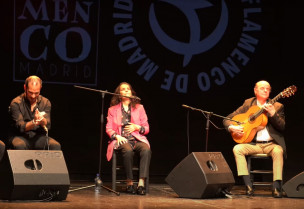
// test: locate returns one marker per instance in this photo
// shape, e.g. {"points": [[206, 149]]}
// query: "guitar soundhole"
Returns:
{"points": [[251, 118]]}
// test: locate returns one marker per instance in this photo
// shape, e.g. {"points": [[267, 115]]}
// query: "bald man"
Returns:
{"points": [[268, 140], [30, 119]]}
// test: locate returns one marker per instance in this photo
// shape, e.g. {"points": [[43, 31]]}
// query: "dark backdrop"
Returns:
{"points": [[76, 113]]}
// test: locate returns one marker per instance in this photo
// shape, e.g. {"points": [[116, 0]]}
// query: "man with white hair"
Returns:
{"points": [[269, 140]]}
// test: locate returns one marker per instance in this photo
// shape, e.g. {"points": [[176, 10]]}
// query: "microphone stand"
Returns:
{"points": [[47, 137], [101, 133], [208, 115]]}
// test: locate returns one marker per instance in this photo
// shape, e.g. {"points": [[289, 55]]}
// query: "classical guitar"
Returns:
{"points": [[255, 118]]}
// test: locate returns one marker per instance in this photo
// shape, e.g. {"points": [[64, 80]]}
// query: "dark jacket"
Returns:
{"points": [[275, 125]]}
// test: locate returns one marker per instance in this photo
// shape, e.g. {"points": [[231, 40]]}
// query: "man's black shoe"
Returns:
{"points": [[141, 190], [249, 190], [277, 193]]}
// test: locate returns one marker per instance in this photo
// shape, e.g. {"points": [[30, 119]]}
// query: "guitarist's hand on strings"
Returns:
{"points": [[237, 129], [270, 109]]}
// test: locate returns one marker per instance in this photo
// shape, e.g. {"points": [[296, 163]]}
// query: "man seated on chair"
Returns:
{"points": [[127, 125], [30, 119], [268, 140]]}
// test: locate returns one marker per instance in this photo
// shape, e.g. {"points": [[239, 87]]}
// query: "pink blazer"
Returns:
{"points": [[138, 116]]}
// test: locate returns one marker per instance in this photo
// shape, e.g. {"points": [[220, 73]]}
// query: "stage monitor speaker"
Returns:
{"points": [[201, 175], [33, 175], [295, 186]]}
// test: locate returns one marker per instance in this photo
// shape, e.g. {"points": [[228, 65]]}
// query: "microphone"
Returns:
{"points": [[42, 114], [135, 97], [35, 108], [131, 97]]}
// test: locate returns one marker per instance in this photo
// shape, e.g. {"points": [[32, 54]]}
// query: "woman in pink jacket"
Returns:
{"points": [[127, 125]]}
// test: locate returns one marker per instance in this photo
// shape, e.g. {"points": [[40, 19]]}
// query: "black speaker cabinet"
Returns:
{"points": [[295, 186], [33, 175], [201, 175]]}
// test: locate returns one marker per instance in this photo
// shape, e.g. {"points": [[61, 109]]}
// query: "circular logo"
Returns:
{"points": [[188, 45]]}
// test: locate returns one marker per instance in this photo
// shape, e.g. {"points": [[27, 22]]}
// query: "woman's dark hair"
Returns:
{"points": [[117, 99]]}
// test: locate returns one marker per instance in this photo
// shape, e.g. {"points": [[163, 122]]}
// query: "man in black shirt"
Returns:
{"points": [[30, 119]]}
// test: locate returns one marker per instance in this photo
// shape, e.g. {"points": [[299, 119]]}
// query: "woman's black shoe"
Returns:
{"points": [[131, 189], [249, 190], [141, 190], [277, 193]]}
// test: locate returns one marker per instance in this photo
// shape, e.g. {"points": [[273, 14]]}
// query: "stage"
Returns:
{"points": [[160, 196]]}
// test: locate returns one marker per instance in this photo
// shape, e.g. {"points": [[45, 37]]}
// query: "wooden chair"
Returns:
{"points": [[117, 166], [253, 172]]}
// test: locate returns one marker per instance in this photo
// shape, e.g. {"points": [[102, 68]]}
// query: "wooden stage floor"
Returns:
{"points": [[160, 196]]}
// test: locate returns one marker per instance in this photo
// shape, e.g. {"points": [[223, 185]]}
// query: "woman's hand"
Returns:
{"points": [[121, 140], [131, 127]]}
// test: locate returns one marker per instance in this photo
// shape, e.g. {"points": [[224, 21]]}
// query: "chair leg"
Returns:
{"points": [[253, 171], [249, 168], [114, 164], [114, 173]]}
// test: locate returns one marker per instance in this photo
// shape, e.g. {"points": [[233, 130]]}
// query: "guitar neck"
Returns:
{"points": [[276, 98], [258, 113]]}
